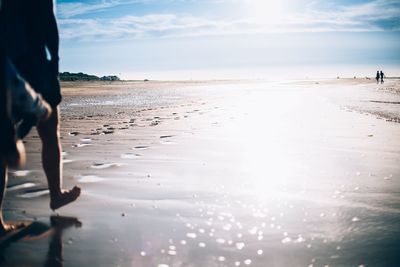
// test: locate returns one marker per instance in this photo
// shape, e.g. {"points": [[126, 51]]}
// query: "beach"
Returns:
{"points": [[218, 173]]}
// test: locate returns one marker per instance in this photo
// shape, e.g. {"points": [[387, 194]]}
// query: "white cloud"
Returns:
{"points": [[67, 10], [362, 17], [73, 9], [155, 25]]}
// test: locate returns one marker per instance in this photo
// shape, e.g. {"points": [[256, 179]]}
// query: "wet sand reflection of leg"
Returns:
{"points": [[59, 223]]}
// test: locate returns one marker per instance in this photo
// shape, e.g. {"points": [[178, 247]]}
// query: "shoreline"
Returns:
{"points": [[188, 174], [188, 80]]}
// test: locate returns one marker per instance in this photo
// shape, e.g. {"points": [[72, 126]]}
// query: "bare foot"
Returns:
{"points": [[65, 198], [8, 228]]}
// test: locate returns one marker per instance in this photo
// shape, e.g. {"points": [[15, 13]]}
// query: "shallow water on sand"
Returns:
{"points": [[267, 175]]}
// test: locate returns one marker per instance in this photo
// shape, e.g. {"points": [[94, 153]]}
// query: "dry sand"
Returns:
{"points": [[219, 173]]}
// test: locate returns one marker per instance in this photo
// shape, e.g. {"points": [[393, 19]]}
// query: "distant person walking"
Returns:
{"points": [[32, 43], [382, 75], [377, 76]]}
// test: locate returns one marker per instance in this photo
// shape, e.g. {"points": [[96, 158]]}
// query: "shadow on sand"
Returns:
{"points": [[37, 230]]}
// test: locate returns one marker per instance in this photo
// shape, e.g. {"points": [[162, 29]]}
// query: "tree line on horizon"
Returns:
{"points": [[80, 76]]}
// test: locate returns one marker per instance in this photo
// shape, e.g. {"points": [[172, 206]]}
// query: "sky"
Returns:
{"points": [[191, 39]]}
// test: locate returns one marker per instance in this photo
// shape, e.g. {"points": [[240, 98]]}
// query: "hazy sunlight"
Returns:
{"points": [[265, 12]]}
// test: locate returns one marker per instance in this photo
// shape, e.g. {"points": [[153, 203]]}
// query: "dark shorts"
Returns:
{"points": [[37, 72]]}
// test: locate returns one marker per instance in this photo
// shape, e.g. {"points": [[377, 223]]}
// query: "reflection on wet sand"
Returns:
{"points": [[28, 231], [59, 224], [37, 230], [260, 175]]}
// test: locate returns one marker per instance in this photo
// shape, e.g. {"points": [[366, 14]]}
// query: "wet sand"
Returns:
{"points": [[219, 173]]}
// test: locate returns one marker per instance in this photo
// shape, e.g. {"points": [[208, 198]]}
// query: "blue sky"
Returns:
{"points": [[152, 39]]}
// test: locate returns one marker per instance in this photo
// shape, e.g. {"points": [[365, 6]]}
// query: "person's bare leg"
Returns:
{"points": [[3, 182], [49, 132], [4, 228]]}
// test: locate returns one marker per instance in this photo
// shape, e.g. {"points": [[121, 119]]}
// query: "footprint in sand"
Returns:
{"points": [[16, 187], [34, 193], [140, 147], [64, 160], [105, 165], [73, 133], [20, 173], [130, 156], [81, 145], [89, 179], [165, 136]]}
